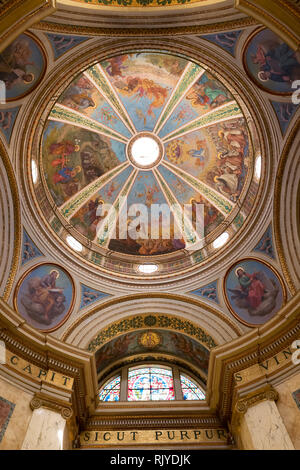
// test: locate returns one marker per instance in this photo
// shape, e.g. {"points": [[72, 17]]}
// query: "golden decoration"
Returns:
{"points": [[150, 339]]}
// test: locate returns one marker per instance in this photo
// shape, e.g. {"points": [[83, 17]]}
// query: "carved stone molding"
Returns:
{"points": [[269, 393], [58, 406], [147, 422], [241, 406]]}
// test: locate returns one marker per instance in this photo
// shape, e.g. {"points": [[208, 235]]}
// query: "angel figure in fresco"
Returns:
{"points": [[138, 88], [43, 300], [255, 292], [115, 67], [187, 348], [14, 61], [207, 95], [226, 180]]}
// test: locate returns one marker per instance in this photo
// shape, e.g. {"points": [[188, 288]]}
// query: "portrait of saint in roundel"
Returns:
{"points": [[22, 66], [271, 63], [253, 291], [44, 296]]}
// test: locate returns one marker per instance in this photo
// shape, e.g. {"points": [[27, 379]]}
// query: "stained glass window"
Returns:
{"points": [[190, 390], [150, 383], [111, 390]]}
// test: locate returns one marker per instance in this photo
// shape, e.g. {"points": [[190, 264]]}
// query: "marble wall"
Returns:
{"points": [[15, 415], [288, 409]]}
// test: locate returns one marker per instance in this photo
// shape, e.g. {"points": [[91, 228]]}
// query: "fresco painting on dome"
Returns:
{"points": [[82, 96], [89, 216], [271, 63], [74, 157], [253, 291], [22, 66], [45, 296], [218, 156], [187, 195], [144, 82], [140, 238], [205, 95], [172, 343]]}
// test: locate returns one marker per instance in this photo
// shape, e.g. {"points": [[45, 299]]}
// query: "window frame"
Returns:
{"points": [[176, 372]]}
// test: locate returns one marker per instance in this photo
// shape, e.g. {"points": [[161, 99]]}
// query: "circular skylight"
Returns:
{"points": [[145, 151]]}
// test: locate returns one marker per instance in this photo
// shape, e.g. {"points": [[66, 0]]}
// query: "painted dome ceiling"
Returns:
{"points": [[148, 128]]}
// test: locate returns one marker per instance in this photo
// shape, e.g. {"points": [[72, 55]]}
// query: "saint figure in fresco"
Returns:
{"points": [[14, 61], [277, 62], [43, 300], [255, 292]]}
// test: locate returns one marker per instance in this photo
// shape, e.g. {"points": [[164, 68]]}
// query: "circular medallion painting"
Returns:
{"points": [[44, 296], [132, 142], [271, 63], [22, 66], [254, 292]]}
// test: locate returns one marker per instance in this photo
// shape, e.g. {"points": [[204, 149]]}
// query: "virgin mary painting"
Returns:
{"points": [[253, 291]]}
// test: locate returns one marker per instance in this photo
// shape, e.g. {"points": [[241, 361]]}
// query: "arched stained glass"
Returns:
{"points": [[150, 383], [111, 390], [190, 390]]}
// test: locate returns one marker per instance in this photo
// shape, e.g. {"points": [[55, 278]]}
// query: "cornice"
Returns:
{"points": [[142, 32], [170, 420]]}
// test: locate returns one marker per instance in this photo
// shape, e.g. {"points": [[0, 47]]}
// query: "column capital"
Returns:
{"points": [[39, 400], [241, 405]]}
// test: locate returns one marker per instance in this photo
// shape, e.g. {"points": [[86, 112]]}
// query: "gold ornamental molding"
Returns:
{"points": [[281, 16], [127, 5], [18, 15], [174, 418], [142, 32], [17, 220]]}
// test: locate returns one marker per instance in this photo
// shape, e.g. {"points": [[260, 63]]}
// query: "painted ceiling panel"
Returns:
{"points": [[147, 128]]}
